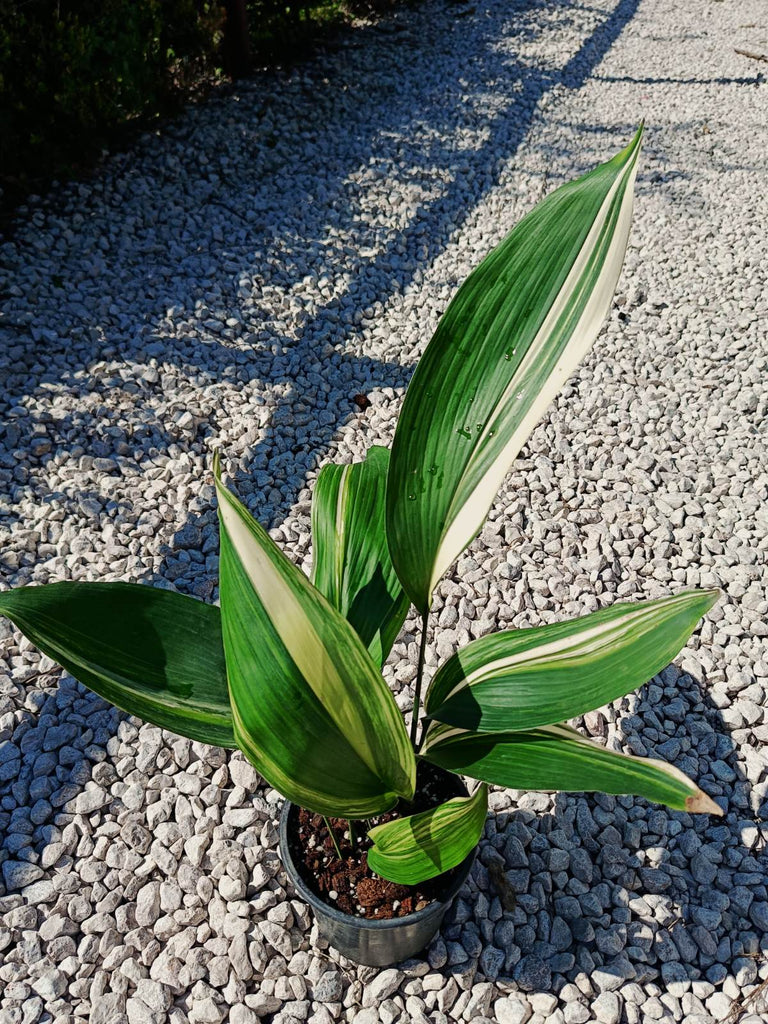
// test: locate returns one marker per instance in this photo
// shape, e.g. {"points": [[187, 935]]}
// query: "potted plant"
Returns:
{"points": [[378, 831]]}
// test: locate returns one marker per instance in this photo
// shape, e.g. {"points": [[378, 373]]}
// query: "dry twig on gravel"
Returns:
{"points": [[747, 1002], [752, 56]]}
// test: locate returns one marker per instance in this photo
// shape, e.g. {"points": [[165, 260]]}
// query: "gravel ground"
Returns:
{"points": [[240, 277]]}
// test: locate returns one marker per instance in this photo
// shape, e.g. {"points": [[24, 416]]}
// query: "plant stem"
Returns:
{"points": [[351, 832], [419, 678], [422, 734], [332, 835]]}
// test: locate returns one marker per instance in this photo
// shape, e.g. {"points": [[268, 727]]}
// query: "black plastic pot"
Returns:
{"points": [[375, 943]]}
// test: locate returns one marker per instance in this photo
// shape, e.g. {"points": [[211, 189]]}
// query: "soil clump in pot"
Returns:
{"points": [[346, 882]]}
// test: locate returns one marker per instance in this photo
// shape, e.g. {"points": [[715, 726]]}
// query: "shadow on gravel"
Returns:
{"points": [[470, 175], [404, 135], [615, 887], [695, 875], [755, 80], [223, 231]]}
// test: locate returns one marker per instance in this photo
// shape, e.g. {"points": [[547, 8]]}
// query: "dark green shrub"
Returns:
{"points": [[71, 71], [286, 31]]}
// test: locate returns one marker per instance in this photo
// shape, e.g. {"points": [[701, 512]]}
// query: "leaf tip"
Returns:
{"points": [[700, 803], [629, 155], [713, 595]]}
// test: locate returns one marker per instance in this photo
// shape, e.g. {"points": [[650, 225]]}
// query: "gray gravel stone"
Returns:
{"points": [[492, 961], [328, 988], [702, 869], [576, 1013], [758, 915], [148, 904], [108, 1009], [235, 279], [18, 874], [533, 974]]}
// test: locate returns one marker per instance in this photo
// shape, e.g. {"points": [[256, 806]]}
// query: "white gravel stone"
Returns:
{"points": [[235, 279], [242, 1015], [512, 1010], [148, 904], [92, 799], [607, 1008], [382, 986], [50, 985], [576, 1013], [244, 774]]}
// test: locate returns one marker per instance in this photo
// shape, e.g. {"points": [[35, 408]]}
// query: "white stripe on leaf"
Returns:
{"points": [[296, 631], [526, 386]]}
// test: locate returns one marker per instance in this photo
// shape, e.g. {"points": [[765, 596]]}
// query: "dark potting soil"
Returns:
{"points": [[346, 882]]}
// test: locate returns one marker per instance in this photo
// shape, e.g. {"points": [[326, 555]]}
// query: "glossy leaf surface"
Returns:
{"points": [[557, 758], [523, 678], [311, 711], [153, 653], [513, 334], [411, 850], [352, 567]]}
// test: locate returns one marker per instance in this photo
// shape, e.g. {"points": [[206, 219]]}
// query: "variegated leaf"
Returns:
{"points": [[352, 567], [310, 709], [411, 850], [153, 653], [523, 678], [557, 758], [515, 331]]}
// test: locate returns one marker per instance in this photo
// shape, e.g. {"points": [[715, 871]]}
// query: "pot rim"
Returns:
{"points": [[366, 923]]}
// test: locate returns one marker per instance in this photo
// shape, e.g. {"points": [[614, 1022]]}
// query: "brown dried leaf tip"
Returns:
{"points": [[700, 803]]}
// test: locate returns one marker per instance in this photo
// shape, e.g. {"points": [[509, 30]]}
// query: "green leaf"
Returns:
{"points": [[411, 850], [515, 331], [523, 678], [557, 757], [153, 653], [311, 711], [352, 567]]}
